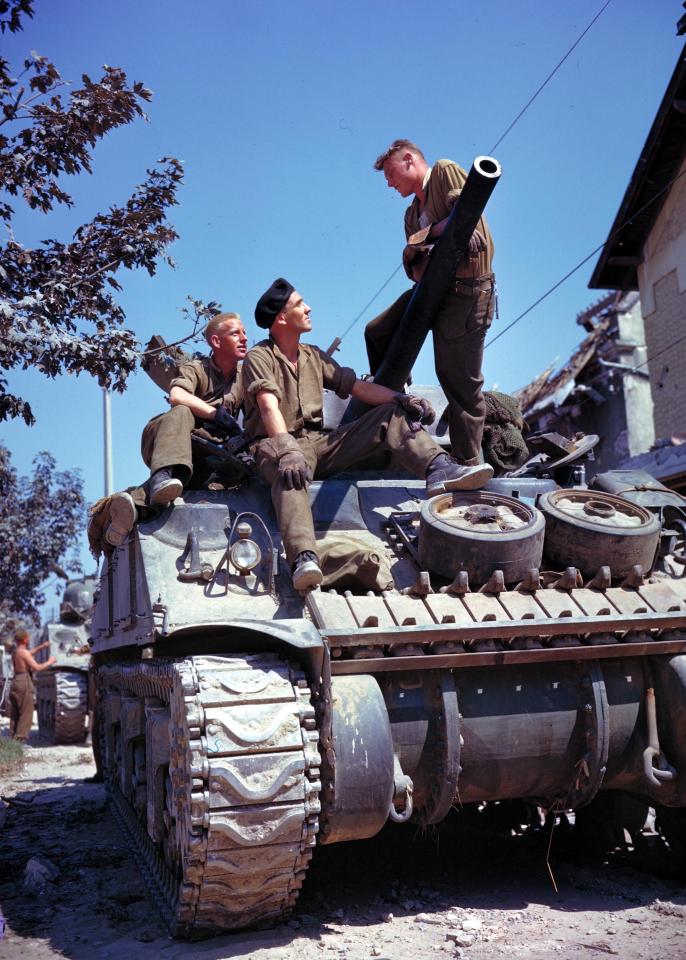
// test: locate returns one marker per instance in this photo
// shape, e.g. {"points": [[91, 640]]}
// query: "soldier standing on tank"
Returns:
{"points": [[460, 327], [283, 380], [204, 396], [22, 691]]}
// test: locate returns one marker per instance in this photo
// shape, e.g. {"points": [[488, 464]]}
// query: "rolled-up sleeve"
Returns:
{"points": [[259, 374], [187, 378], [334, 377]]}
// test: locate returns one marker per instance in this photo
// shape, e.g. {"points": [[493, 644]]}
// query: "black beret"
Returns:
{"points": [[272, 301]]}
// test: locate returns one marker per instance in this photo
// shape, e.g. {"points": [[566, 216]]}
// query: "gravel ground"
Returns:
{"points": [[465, 891]]}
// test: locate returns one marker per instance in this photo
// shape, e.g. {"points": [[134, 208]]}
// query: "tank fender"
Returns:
{"points": [[359, 788], [293, 639]]}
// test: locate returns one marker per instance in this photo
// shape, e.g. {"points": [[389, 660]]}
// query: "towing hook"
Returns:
{"points": [[403, 789], [652, 754], [193, 568]]}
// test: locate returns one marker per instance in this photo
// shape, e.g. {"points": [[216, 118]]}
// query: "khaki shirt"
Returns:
{"points": [[445, 184], [203, 378], [298, 388]]}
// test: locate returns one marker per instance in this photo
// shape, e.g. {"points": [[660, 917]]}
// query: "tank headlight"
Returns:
{"points": [[245, 554]]}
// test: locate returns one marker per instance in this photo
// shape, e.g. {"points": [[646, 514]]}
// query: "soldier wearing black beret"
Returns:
{"points": [[283, 380]]}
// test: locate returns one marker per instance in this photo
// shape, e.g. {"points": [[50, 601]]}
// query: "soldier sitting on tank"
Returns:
{"points": [[204, 396], [283, 381]]}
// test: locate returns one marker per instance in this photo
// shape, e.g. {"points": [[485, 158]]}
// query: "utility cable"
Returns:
{"points": [[586, 258], [659, 353], [493, 148], [370, 302], [630, 370], [549, 77]]}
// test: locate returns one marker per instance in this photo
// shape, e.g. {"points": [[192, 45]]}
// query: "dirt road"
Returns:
{"points": [[461, 891]]}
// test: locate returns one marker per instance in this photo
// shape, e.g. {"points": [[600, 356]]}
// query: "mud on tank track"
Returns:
{"points": [[212, 766]]}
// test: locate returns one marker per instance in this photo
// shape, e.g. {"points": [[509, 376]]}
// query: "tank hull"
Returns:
{"points": [[241, 723]]}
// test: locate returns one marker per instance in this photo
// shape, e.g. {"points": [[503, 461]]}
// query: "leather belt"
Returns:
{"points": [[474, 281]]}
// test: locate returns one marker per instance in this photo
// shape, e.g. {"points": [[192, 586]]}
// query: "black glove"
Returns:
{"points": [[418, 408], [294, 470], [223, 420]]}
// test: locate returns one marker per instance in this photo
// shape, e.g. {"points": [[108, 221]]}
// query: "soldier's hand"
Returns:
{"points": [[223, 420], [477, 244], [417, 407], [294, 470]]}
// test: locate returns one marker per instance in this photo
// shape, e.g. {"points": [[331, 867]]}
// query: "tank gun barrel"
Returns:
{"points": [[430, 292]]}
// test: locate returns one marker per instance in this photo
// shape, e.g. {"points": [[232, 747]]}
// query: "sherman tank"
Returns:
{"points": [[62, 690], [528, 645]]}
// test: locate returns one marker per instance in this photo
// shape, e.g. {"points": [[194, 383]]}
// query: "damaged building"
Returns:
{"points": [[602, 389], [626, 380]]}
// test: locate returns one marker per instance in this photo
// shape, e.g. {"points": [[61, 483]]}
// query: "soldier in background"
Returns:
{"points": [[22, 691], [459, 329]]}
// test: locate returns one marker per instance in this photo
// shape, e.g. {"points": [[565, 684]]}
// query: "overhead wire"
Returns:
{"points": [[370, 302], [493, 148], [659, 353], [549, 77], [580, 264], [649, 359]]}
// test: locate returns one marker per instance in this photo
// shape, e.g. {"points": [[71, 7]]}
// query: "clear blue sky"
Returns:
{"points": [[278, 110]]}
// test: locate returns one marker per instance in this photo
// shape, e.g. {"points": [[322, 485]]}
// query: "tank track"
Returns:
{"points": [[212, 764], [62, 705]]}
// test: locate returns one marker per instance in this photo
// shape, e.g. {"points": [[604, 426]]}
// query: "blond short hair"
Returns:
{"points": [[217, 322], [396, 147]]}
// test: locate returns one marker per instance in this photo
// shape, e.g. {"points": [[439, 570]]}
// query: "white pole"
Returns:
{"points": [[107, 436]]}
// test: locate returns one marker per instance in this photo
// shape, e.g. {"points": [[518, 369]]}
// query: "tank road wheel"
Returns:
{"points": [[583, 525], [480, 532], [225, 807], [62, 705]]}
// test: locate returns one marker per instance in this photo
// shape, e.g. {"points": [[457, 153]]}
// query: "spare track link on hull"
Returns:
{"points": [[62, 705], [213, 765]]}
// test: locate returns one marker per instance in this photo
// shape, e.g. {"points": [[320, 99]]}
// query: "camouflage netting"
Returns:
{"points": [[503, 443]]}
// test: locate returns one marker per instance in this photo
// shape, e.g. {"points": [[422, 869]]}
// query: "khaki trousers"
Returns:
{"points": [[386, 427], [459, 334], [166, 439], [21, 706], [459, 331], [166, 442]]}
